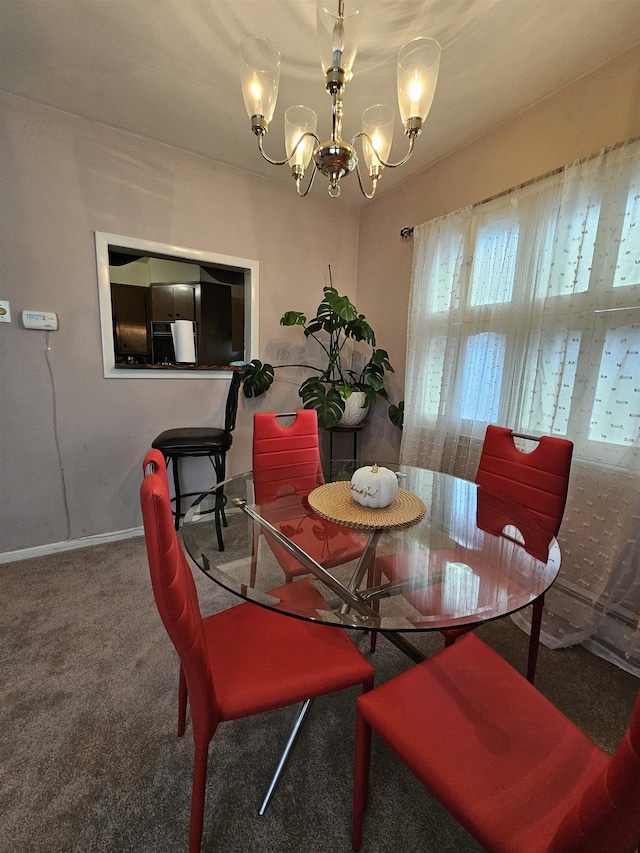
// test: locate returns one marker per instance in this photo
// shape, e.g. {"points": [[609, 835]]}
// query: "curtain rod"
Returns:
{"points": [[407, 232]]}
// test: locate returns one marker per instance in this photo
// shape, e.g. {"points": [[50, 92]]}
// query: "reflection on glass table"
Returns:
{"points": [[472, 557]]}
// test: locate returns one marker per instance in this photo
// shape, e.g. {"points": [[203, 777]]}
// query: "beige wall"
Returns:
{"points": [[62, 179], [598, 110]]}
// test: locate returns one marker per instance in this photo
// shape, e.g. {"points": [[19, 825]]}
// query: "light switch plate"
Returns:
{"points": [[5, 311], [40, 320]]}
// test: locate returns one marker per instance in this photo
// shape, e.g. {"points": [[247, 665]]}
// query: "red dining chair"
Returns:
{"points": [[286, 467], [508, 765], [537, 480], [242, 661]]}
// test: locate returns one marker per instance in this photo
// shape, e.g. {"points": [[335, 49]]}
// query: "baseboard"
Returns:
{"points": [[70, 545]]}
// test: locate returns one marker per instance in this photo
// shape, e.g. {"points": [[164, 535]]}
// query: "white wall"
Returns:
{"points": [[62, 179]]}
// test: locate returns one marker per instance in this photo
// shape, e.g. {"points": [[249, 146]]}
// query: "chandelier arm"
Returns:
{"points": [[364, 192], [412, 142], [310, 184], [291, 156]]}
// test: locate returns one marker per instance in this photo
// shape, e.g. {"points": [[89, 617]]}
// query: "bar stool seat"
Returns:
{"points": [[212, 442], [193, 441]]}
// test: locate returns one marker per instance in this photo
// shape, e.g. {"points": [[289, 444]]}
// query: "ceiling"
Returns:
{"points": [[168, 69]]}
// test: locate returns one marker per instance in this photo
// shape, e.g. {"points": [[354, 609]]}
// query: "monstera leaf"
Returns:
{"points": [[396, 414], [327, 401], [256, 378], [374, 370], [360, 330], [293, 318], [340, 305], [334, 312]]}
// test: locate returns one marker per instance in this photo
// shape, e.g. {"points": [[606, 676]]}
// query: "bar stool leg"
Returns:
{"points": [[176, 486]]}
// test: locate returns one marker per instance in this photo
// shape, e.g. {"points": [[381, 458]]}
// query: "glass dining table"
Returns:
{"points": [[446, 555]]}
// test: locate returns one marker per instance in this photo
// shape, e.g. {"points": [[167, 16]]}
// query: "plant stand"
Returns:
{"points": [[341, 430]]}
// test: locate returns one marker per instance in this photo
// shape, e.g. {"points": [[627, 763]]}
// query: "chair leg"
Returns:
{"points": [[255, 544], [182, 703], [176, 486], [362, 762], [220, 467], [218, 515], [197, 798], [534, 637]]}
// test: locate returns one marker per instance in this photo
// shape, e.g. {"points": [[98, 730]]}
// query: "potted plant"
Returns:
{"points": [[331, 387]]}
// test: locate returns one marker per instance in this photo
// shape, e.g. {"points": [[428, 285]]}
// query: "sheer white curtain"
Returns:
{"points": [[525, 312]]}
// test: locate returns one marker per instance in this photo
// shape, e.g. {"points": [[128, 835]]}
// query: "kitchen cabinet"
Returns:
{"points": [[171, 302], [217, 345], [131, 327]]}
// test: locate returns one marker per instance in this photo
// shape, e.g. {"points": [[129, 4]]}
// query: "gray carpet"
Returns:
{"points": [[91, 761]]}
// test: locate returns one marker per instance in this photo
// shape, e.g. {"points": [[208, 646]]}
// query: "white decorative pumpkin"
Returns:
{"points": [[373, 486]]}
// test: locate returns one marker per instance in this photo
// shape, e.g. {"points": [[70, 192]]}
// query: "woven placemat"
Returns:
{"points": [[335, 502]]}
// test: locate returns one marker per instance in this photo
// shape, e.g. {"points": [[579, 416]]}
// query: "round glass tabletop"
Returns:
{"points": [[468, 556]]}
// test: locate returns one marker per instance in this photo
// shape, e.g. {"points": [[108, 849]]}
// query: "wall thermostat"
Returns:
{"points": [[40, 320]]}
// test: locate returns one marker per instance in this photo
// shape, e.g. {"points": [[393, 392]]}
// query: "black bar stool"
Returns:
{"points": [[211, 442]]}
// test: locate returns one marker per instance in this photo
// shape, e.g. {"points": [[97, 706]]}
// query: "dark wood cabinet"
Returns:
{"points": [[131, 326], [171, 302], [184, 301], [216, 343], [141, 318]]}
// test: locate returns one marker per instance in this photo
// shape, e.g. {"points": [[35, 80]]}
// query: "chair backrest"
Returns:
{"points": [[500, 517], [154, 464], [538, 480], [607, 816], [231, 409], [286, 469], [176, 597], [285, 455]]}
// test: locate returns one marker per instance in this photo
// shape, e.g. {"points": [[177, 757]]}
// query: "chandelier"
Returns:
{"points": [[418, 64]]}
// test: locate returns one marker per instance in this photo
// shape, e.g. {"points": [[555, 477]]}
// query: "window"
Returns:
{"points": [[146, 287], [528, 312], [525, 312]]}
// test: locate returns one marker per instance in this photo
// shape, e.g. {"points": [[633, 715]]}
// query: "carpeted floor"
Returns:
{"points": [[89, 756]]}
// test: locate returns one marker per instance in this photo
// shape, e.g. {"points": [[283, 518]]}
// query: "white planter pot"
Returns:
{"points": [[353, 411]]}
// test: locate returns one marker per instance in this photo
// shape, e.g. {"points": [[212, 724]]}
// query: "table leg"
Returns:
{"points": [[363, 566], [347, 594], [283, 758], [404, 645]]}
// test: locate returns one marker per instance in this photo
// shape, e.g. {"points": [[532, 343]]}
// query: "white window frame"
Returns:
{"points": [[104, 240]]}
